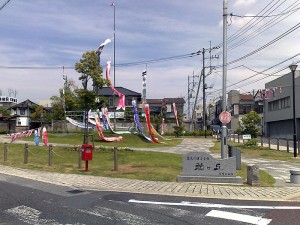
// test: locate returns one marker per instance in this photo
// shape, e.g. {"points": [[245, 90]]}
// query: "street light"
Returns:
{"points": [[293, 68]]}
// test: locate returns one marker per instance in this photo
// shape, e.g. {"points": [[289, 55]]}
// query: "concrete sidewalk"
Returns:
{"points": [[87, 182], [287, 192]]}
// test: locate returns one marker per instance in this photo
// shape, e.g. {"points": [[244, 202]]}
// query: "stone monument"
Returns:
{"points": [[202, 167]]}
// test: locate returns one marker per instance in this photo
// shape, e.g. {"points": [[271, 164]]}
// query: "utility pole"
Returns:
{"points": [[204, 87], [190, 96], [190, 91], [224, 102], [204, 84]]}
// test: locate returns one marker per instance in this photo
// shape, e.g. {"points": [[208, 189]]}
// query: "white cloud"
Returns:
{"points": [[243, 3]]}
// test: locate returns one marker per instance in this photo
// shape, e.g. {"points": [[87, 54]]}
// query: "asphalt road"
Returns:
{"points": [[25, 201]]}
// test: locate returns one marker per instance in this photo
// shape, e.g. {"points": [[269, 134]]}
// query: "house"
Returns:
{"points": [[8, 123], [109, 95], [240, 104], [278, 107], [165, 105], [22, 112]]}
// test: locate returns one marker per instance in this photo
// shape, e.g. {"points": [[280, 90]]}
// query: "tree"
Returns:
{"points": [[4, 111], [68, 97], [250, 124], [41, 115], [89, 68]]}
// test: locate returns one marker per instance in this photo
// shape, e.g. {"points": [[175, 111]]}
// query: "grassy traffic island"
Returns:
{"points": [[132, 164]]}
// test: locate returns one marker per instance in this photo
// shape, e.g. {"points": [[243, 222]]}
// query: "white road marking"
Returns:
{"points": [[28, 215], [210, 205], [239, 217], [31, 216], [112, 214]]}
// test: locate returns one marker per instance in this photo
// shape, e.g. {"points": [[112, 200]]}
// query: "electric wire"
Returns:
{"points": [[4, 4], [263, 28]]}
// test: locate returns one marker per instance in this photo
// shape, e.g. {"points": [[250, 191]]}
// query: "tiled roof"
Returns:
{"points": [[106, 91], [246, 97]]}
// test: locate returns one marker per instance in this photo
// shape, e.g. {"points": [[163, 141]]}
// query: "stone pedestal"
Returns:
{"points": [[202, 167]]}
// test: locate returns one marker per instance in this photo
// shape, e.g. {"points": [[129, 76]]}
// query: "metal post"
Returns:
{"points": [[86, 166], [204, 86], [114, 63], [294, 115], [224, 102], [26, 153], [277, 144]]}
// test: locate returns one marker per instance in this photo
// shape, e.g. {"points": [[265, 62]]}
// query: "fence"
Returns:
{"points": [[280, 144]]}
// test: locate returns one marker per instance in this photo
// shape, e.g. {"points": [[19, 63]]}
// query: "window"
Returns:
{"points": [[22, 112], [111, 102], [282, 103]]}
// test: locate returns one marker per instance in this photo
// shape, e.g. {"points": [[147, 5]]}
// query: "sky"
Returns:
{"points": [[42, 40]]}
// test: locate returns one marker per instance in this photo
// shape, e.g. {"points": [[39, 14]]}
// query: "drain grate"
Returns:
{"points": [[75, 191]]}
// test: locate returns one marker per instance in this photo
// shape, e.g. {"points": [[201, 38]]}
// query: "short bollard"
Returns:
{"points": [[26, 153], [295, 176], [253, 175], [5, 151], [115, 159], [50, 156]]}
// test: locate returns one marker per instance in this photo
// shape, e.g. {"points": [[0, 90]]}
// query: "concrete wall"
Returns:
{"points": [[279, 123], [63, 126]]}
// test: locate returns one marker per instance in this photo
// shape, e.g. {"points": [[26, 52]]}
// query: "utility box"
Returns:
{"points": [[87, 152], [233, 151]]}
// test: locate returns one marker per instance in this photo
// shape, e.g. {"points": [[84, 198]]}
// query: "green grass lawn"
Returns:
{"points": [[144, 165], [258, 152]]}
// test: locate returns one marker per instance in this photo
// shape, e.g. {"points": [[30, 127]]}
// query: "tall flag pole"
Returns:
{"points": [[144, 74]]}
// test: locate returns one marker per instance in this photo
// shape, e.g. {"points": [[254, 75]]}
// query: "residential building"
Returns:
{"points": [[166, 104], [239, 104], [278, 107], [7, 101], [23, 111], [113, 99]]}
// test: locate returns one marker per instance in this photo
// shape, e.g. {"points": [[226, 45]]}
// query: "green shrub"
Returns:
{"points": [[251, 142]]}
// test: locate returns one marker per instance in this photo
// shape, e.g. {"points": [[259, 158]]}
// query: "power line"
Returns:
{"points": [[4, 4], [189, 55], [268, 44], [265, 27], [280, 14]]}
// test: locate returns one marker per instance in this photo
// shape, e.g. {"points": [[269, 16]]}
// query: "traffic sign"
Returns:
{"points": [[225, 117]]}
